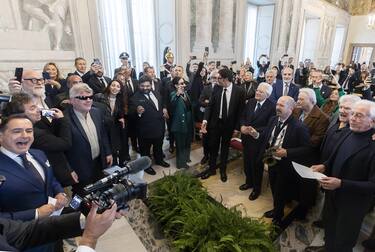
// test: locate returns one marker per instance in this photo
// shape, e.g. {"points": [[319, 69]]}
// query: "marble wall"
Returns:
{"points": [[290, 16], [34, 32], [216, 24]]}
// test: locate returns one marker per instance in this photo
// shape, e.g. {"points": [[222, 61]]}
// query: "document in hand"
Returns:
{"points": [[306, 172]]}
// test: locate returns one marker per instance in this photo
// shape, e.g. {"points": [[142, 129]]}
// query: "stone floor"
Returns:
{"points": [[295, 238]]}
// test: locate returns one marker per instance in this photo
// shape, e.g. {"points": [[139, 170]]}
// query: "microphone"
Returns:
{"points": [[130, 168]]}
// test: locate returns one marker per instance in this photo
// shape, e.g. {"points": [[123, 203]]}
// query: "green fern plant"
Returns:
{"points": [[195, 222]]}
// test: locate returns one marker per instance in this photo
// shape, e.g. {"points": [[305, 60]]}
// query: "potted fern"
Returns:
{"points": [[193, 221]]}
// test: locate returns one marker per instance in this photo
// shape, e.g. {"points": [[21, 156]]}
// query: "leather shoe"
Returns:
{"points": [[223, 177], [185, 166], [244, 187], [369, 244], [254, 195], [268, 214], [204, 160], [315, 249], [150, 171], [208, 174], [163, 163]]}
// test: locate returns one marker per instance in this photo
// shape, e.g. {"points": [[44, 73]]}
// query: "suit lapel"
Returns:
{"points": [[232, 100], [78, 125], [20, 172]]}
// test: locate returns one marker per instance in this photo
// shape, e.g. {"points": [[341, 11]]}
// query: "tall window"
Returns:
{"points": [[338, 45], [251, 25], [127, 26]]}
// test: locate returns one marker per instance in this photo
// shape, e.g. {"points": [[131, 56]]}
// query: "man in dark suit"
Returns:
{"points": [[286, 87], [322, 91], [147, 106], [80, 65], [90, 152], [284, 133], [204, 100], [255, 116], [53, 139], [221, 118], [95, 78], [349, 187], [337, 126], [129, 89], [30, 179]]}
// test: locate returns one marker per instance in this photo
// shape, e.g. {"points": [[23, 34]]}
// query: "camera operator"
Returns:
{"points": [[18, 236]]}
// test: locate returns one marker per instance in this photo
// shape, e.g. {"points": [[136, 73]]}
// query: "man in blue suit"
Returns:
{"points": [[30, 181], [286, 87]]}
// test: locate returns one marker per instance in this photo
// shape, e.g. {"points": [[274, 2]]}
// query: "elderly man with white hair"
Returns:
{"points": [[350, 181], [317, 122], [91, 151], [255, 116]]}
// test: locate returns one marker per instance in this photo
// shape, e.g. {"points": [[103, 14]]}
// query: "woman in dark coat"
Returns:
{"points": [[182, 122], [111, 102]]}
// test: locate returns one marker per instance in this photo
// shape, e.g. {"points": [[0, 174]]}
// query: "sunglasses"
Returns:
{"points": [[84, 98]]}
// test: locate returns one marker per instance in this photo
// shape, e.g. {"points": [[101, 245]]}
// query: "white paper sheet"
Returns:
{"points": [[306, 172], [53, 201]]}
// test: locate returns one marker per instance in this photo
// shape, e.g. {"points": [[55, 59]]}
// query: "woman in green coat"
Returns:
{"points": [[182, 122]]}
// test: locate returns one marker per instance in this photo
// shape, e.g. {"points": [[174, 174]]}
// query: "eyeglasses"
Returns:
{"points": [[84, 98], [35, 80]]}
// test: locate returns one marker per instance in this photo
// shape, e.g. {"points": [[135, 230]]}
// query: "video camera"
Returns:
{"points": [[116, 187]]}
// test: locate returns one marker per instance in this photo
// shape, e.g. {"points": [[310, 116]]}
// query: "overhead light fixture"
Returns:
{"points": [[371, 21]]}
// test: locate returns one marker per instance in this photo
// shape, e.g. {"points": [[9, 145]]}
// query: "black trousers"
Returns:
{"points": [[157, 145], [341, 226], [253, 169], [206, 145], [219, 135], [283, 183]]}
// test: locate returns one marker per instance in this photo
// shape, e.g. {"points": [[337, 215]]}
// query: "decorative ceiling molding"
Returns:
{"points": [[355, 7]]}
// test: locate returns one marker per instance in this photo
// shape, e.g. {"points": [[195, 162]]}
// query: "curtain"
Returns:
{"points": [[127, 26]]}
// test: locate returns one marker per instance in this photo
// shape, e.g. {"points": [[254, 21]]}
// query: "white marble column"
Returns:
{"points": [[226, 27], [203, 25], [284, 28], [294, 28]]}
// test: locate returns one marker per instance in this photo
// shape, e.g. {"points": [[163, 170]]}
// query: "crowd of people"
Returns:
{"points": [[62, 132]]}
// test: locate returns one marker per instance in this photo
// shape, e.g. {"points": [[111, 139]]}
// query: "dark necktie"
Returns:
{"points": [[224, 113], [278, 128], [257, 108], [286, 89], [30, 167], [102, 81], [149, 97]]}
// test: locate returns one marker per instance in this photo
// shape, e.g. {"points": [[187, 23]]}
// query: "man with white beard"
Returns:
{"points": [[33, 84]]}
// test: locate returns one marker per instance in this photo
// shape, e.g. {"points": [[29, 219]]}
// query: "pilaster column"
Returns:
{"points": [[294, 28], [203, 25], [226, 27], [284, 29]]}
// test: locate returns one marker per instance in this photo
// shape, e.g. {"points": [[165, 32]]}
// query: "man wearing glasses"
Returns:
{"points": [[90, 152], [33, 84], [350, 185]]}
